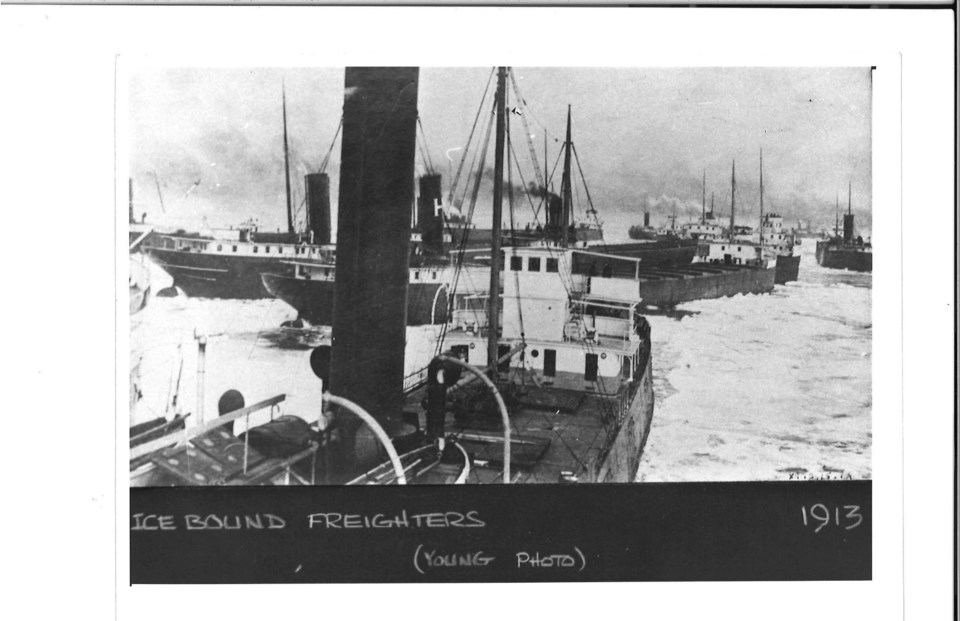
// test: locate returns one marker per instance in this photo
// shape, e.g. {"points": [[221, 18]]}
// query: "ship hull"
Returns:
{"points": [[853, 259], [718, 282], [216, 276], [622, 461], [313, 299], [652, 254], [788, 268]]}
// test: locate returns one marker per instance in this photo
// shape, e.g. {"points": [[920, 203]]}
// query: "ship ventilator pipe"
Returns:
{"points": [[503, 409], [436, 296], [377, 429]]}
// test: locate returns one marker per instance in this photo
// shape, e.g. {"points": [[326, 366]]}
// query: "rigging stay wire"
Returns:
{"points": [[456, 178], [428, 162], [326, 159], [526, 128], [461, 254]]}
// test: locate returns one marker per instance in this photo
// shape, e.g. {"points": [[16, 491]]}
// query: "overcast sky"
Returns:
{"points": [[643, 136]]}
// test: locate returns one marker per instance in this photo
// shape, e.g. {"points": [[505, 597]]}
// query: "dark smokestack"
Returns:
{"points": [[373, 246], [848, 217], [554, 212], [429, 216], [646, 219], [318, 206]]}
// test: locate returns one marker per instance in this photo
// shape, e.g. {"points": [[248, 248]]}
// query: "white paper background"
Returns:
{"points": [[60, 186]]}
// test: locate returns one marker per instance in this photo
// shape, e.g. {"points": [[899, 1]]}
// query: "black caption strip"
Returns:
{"points": [[806, 530]]}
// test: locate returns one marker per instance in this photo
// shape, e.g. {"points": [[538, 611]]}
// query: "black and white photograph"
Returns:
{"points": [[679, 293], [554, 311]]}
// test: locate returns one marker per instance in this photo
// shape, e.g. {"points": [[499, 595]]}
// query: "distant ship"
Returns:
{"points": [[720, 268], [138, 231], [772, 237], [228, 263], [847, 252]]}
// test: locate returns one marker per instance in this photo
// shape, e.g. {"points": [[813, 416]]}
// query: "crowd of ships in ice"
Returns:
{"points": [[534, 362]]}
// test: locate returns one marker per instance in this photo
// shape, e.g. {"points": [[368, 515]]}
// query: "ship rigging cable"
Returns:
{"points": [[482, 156], [583, 180], [425, 149], [526, 129], [326, 159], [456, 179]]}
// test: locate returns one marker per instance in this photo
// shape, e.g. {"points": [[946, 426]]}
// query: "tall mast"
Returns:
{"points": [[566, 190], [733, 195], [286, 163], [761, 198], [493, 320], [546, 182], [703, 208]]}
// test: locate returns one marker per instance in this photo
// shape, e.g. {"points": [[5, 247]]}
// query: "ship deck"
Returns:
{"points": [[553, 431]]}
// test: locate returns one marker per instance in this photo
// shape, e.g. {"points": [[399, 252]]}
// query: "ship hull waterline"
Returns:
{"points": [[855, 260], [216, 276], [313, 299], [788, 269]]}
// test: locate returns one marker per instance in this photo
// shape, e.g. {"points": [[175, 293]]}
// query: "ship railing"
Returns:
{"points": [[186, 435], [415, 380]]}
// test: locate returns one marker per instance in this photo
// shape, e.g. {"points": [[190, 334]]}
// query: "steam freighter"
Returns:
{"points": [[847, 252], [229, 263]]}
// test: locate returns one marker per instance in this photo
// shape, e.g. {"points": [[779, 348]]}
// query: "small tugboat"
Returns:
{"points": [[847, 252]]}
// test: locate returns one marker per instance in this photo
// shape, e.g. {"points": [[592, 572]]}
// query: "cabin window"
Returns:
{"points": [[433, 275], [625, 364], [266, 249], [502, 351], [326, 272], [234, 248], [279, 249], [461, 351], [219, 247], [739, 248], [550, 362], [254, 250], [591, 367], [553, 265], [516, 264], [533, 264], [723, 247], [416, 275]]}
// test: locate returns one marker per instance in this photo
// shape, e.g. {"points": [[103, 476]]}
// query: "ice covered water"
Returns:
{"points": [[767, 387], [247, 350]]}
